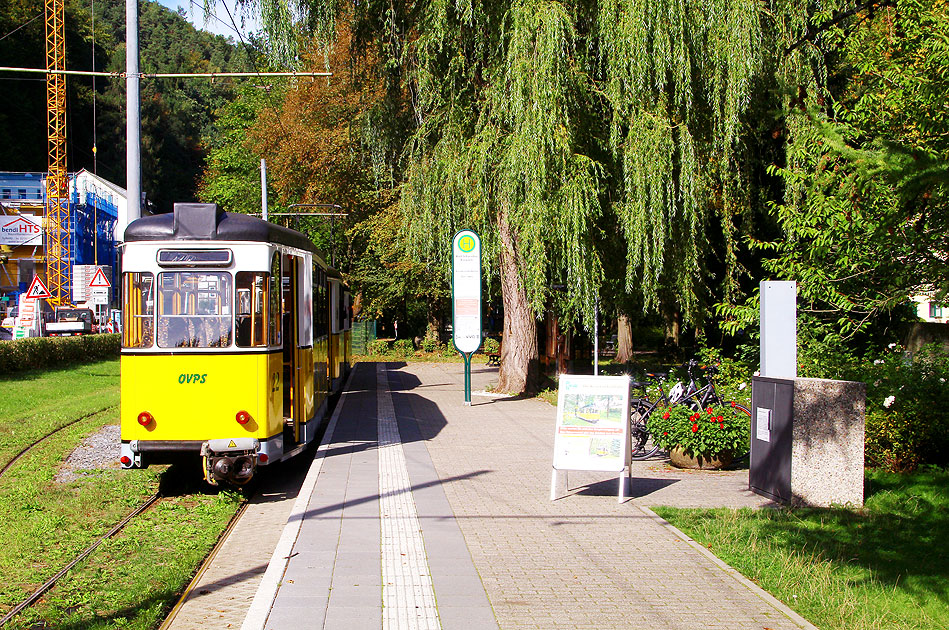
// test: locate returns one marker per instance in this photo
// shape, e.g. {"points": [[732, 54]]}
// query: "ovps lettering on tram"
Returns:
{"points": [[191, 378]]}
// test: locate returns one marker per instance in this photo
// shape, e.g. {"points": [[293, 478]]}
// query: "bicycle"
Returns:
{"points": [[640, 439], [699, 398], [642, 445]]}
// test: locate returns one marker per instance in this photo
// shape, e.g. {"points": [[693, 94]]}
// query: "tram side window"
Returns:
{"points": [[253, 296], [319, 324], [275, 299], [138, 327], [194, 309]]}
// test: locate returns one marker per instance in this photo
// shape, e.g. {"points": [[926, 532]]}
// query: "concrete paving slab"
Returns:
{"points": [[498, 552]]}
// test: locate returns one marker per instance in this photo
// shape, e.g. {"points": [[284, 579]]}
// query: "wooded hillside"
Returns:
{"points": [[176, 114]]}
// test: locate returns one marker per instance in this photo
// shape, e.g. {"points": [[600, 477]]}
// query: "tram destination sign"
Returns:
{"points": [[466, 291]]}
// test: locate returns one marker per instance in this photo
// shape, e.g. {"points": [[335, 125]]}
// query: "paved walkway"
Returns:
{"points": [[420, 512]]}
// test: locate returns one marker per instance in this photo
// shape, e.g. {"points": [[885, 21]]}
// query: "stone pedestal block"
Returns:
{"points": [[827, 436]]}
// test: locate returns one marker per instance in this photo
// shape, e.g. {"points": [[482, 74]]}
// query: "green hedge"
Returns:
{"points": [[42, 352]]}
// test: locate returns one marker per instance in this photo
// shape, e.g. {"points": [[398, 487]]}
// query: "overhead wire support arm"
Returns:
{"points": [[331, 215], [169, 75]]}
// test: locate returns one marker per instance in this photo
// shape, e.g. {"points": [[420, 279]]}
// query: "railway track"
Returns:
{"points": [[36, 443], [42, 590], [170, 619]]}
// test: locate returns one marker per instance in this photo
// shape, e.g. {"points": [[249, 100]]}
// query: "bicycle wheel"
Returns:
{"points": [[641, 443]]}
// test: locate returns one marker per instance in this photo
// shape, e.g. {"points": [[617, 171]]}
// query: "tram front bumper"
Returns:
{"points": [[231, 460]]}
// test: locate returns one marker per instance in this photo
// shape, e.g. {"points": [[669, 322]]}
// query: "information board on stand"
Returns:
{"points": [[592, 431]]}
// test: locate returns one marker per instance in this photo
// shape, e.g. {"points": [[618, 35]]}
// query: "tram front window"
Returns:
{"points": [[194, 309], [138, 315], [253, 294]]}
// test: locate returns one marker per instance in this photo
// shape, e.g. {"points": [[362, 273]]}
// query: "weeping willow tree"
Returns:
{"points": [[553, 127]]}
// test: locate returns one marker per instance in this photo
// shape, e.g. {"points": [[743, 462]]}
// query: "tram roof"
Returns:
{"points": [[207, 222]]}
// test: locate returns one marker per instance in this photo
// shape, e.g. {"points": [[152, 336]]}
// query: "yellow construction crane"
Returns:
{"points": [[58, 246]]}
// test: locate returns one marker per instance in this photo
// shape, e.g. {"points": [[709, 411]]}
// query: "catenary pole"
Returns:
{"points": [[263, 188], [133, 148]]}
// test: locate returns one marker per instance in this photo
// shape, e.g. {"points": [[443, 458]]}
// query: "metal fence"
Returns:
{"points": [[363, 333]]}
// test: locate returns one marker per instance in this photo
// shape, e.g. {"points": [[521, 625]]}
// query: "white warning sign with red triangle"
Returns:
{"points": [[99, 279], [38, 289]]}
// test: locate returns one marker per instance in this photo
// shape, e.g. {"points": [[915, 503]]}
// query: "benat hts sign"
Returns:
{"points": [[21, 229]]}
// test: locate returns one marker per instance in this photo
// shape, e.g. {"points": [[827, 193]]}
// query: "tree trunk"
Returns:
{"points": [[520, 365], [434, 319], [671, 320], [624, 339]]}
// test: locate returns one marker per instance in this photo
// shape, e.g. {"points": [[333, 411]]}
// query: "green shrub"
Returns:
{"points": [[907, 420], [448, 351], [710, 432], [377, 347], [491, 346], [403, 348], [733, 380], [37, 353], [430, 344], [895, 440]]}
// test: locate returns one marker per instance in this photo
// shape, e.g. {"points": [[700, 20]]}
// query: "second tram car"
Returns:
{"points": [[235, 334]]}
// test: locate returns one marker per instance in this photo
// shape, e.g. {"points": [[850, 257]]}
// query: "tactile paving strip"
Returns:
{"points": [[408, 597]]}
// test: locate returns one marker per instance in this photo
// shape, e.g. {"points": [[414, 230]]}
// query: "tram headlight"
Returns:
{"points": [[145, 418], [243, 417]]}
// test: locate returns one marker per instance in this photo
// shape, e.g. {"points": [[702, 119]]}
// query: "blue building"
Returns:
{"points": [[94, 204]]}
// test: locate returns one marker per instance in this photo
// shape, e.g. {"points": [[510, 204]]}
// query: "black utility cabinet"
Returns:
{"points": [[772, 411]]}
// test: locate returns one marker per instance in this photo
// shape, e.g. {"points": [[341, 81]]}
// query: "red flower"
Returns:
{"points": [[665, 416], [709, 410], [734, 404], [665, 433], [695, 428], [713, 420], [721, 426], [720, 419]]}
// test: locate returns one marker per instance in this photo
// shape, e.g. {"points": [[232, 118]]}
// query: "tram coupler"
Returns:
{"points": [[230, 460]]}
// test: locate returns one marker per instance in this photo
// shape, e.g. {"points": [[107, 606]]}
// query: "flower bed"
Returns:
{"points": [[715, 431]]}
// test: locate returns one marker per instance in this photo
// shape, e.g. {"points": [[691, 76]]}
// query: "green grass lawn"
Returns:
{"points": [[133, 579], [35, 403], [883, 567]]}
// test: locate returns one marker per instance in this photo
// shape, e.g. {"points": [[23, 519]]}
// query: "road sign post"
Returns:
{"points": [[466, 299], [30, 309]]}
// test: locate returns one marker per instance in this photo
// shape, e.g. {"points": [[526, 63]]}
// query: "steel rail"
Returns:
{"points": [[29, 601], [166, 624], [29, 447]]}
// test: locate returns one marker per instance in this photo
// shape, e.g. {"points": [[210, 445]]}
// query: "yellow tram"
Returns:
{"points": [[235, 334]]}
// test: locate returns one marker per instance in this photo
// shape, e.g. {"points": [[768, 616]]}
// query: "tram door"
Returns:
{"points": [[292, 384]]}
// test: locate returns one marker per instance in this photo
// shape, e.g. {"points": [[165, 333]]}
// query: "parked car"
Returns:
{"points": [[70, 321], [6, 325]]}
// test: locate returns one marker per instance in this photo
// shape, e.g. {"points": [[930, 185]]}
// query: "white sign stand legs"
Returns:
{"points": [[625, 479], [554, 494]]}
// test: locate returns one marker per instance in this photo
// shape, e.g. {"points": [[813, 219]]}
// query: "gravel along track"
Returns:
{"points": [[30, 447], [99, 451]]}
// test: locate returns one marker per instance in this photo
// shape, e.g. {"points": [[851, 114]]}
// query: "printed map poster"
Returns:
{"points": [[592, 423]]}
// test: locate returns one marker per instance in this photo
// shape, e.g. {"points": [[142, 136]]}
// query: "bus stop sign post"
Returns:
{"points": [[466, 299]]}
